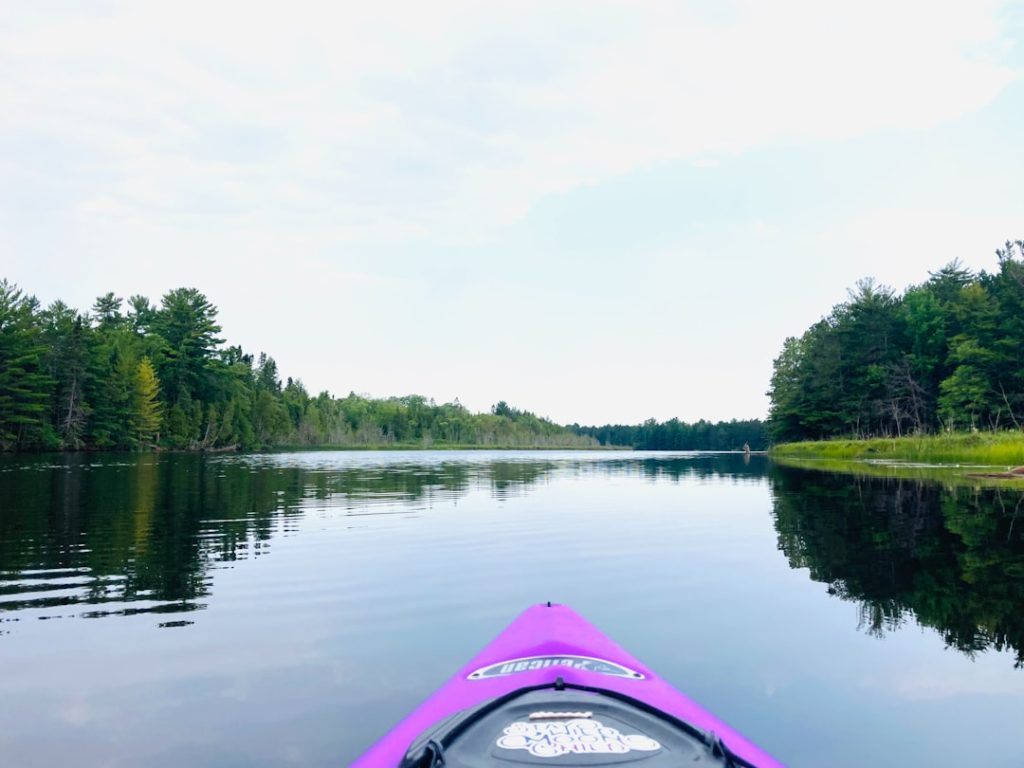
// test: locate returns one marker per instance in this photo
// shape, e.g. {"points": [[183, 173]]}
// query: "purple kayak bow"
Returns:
{"points": [[544, 643]]}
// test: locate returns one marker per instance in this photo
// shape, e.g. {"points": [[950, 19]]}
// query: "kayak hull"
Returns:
{"points": [[544, 644]]}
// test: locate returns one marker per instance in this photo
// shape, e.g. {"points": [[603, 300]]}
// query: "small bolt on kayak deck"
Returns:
{"points": [[553, 690]]}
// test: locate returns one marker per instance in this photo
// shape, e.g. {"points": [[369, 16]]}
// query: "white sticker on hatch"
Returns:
{"points": [[531, 663], [575, 737]]}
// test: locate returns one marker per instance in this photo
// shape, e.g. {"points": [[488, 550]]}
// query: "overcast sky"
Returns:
{"points": [[597, 211]]}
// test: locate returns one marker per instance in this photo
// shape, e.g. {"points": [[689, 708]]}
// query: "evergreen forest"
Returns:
{"points": [[142, 376], [676, 435], [945, 355], [138, 376]]}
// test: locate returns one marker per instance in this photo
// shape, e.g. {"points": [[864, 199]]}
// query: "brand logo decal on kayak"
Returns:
{"points": [[532, 663], [575, 737]]}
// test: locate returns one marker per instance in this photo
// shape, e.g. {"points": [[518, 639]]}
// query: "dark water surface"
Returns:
{"points": [[287, 609]]}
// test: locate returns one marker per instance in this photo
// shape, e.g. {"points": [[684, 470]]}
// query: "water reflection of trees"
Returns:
{"points": [[727, 467], [134, 534], [131, 534], [952, 558]]}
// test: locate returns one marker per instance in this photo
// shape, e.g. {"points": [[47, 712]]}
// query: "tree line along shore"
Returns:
{"points": [[138, 376], [934, 373]]}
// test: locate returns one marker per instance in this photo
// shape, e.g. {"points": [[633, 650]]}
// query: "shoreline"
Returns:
{"points": [[396, 447], [993, 449], [951, 475], [318, 448]]}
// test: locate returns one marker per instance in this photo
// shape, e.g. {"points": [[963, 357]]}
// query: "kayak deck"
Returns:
{"points": [[553, 690], [534, 725]]}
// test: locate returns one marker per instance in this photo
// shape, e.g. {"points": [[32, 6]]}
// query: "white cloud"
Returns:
{"points": [[402, 120], [294, 161], [900, 245], [986, 677]]}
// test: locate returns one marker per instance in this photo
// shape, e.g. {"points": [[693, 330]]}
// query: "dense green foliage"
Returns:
{"points": [[675, 435], [159, 376], [944, 355]]}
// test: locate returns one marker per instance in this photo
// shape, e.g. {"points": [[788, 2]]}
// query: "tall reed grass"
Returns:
{"points": [[991, 448]]}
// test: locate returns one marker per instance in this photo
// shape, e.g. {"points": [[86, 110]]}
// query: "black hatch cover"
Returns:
{"points": [[566, 727]]}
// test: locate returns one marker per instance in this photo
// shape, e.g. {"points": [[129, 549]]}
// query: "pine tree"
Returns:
{"points": [[147, 411], [187, 323], [112, 382], [67, 336], [25, 387]]}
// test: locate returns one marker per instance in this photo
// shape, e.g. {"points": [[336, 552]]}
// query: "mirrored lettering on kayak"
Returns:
{"points": [[574, 737], [532, 663]]}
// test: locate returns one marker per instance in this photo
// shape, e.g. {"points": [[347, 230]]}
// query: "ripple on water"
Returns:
{"points": [[254, 607]]}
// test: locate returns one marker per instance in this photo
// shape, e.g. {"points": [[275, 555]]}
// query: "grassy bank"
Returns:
{"points": [[1001, 449]]}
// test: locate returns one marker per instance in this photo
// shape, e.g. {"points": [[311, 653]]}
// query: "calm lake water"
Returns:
{"points": [[274, 610]]}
